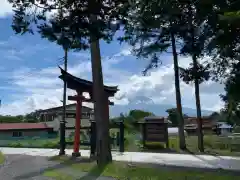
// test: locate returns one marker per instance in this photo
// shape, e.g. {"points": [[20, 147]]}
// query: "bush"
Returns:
{"points": [[139, 144], [2, 159], [50, 144], [15, 144], [236, 129], [154, 145], [216, 142], [173, 143], [126, 142], [35, 144]]}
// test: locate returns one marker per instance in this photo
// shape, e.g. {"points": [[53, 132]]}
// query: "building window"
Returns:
{"points": [[70, 115], [17, 134], [50, 117], [85, 115], [42, 118]]}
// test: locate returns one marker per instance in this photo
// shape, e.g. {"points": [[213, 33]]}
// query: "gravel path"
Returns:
{"points": [[25, 167]]}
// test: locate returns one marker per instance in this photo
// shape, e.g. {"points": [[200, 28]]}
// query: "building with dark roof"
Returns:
{"points": [[208, 124], [48, 125], [24, 130]]}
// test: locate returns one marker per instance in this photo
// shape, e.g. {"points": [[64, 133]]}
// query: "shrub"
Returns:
{"points": [[139, 144], [236, 129], [126, 142], [50, 144], [15, 144], [173, 143], [2, 159], [216, 142]]}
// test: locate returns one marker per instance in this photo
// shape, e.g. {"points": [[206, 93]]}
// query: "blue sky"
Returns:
{"points": [[29, 73]]}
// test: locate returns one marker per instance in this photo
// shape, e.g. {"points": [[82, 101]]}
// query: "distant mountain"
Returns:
{"points": [[157, 109]]}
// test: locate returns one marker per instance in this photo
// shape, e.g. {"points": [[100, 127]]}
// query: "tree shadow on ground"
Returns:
{"points": [[94, 173], [206, 152], [211, 162], [157, 149], [213, 153], [58, 165], [173, 168]]}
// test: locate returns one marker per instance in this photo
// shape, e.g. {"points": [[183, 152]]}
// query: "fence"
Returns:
{"points": [[116, 136], [86, 139]]}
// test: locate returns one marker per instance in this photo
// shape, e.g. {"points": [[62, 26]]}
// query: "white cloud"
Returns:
{"points": [[159, 86], [125, 51], [42, 88], [13, 49], [5, 8], [82, 55]]}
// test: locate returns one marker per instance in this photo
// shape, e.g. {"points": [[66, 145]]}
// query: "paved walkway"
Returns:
{"points": [[26, 167], [165, 159]]}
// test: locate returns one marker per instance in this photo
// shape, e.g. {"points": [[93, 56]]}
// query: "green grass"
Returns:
{"points": [[58, 175], [214, 145], [1, 158], [122, 170]]}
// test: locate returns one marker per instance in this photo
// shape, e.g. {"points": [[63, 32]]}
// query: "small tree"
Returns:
{"points": [[173, 116], [139, 114]]}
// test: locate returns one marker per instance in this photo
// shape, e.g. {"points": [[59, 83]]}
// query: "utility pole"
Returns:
{"points": [[63, 121]]}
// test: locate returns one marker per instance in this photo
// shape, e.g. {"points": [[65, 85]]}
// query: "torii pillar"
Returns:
{"points": [[79, 98]]}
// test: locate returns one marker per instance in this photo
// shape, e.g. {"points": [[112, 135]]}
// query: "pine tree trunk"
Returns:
{"points": [[196, 82], [198, 107], [182, 143], [102, 120], [63, 120]]}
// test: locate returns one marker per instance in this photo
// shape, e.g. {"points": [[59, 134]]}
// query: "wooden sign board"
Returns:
{"points": [[156, 132]]}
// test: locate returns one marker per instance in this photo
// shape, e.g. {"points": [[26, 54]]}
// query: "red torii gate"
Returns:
{"points": [[80, 86]]}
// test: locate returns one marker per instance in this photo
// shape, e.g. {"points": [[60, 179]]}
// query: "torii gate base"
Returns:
{"points": [[80, 98]]}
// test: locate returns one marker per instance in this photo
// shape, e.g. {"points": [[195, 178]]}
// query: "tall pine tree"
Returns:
{"points": [[197, 33], [88, 21], [152, 29]]}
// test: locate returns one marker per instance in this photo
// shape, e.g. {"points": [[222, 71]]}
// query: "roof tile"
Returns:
{"points": [[15, 126]]}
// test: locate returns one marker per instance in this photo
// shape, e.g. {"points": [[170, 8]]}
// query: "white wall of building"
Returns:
{"points": [[173, 131], [70, 121]]}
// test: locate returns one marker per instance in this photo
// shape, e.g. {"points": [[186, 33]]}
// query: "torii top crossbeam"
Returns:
{"points": [[83, 85]]}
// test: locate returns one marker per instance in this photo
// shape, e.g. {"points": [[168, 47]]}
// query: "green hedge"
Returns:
{"points": [[35, 144], [2, 159]]}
